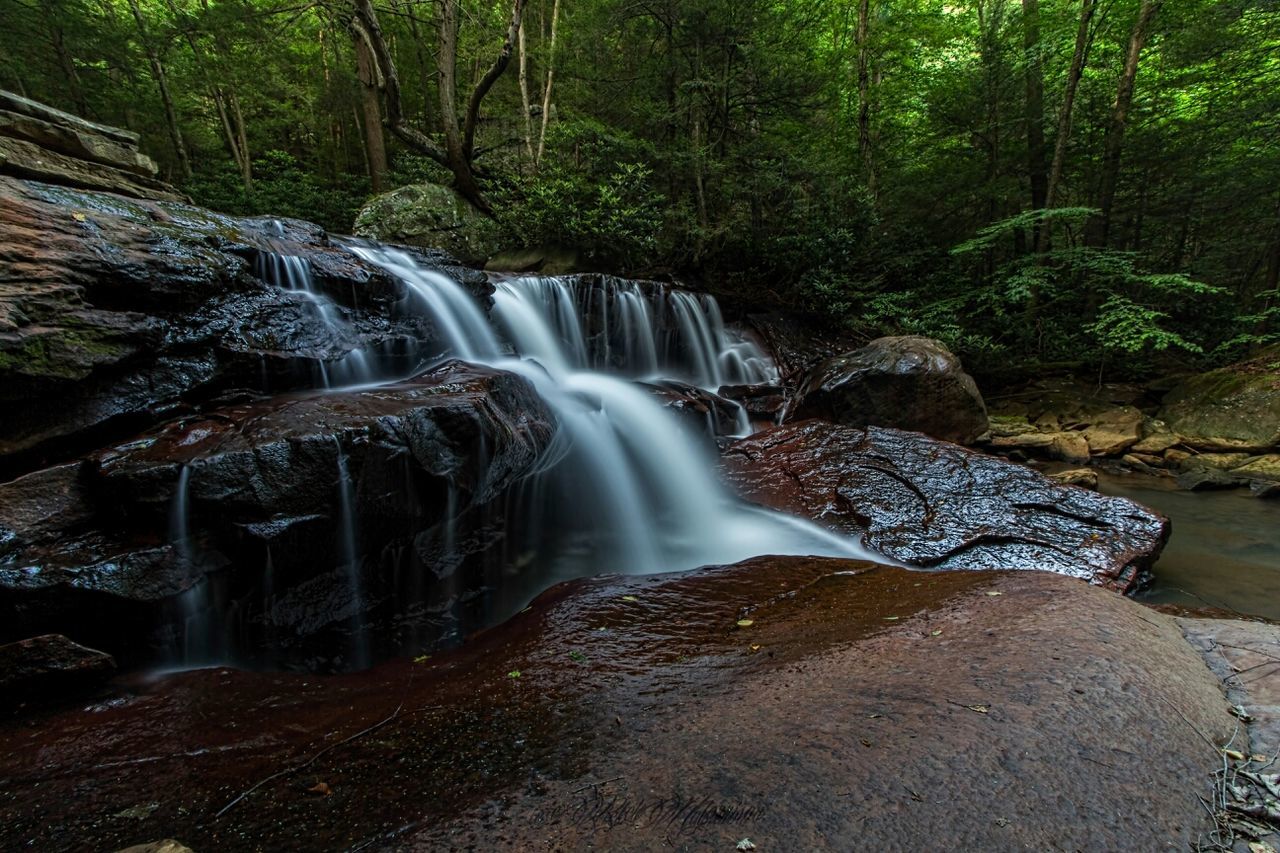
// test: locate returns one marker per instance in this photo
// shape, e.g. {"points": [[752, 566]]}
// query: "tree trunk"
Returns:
{"points": [[1037, 169], [227, 105], [65, 61], [1113, 144], [546, 93], [861, 38], [374, 142], [157, 71], [485, 83], [524, 97], [1078, 58]]}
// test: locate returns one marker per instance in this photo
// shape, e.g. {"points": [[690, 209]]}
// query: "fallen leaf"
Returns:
{"points": [[321, 788], [78, 217], [745, 844], [755, 647], [891, 618], [422, 658], [936, 633], [875, 716], [1001, 822], [1260, 847], [994, 592], [746, 623], [629, 598], [1258, 759], [981, 709], [866, 742], [515, 673], [1233, 754]]}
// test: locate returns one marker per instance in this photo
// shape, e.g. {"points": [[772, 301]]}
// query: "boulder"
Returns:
{"points": [[1086, 478], [303, 517], [1112, 432], [927, 503], [908, 382], [543, 260], [762, 402], [701, 410], [114, 311], [49, 666], [432, 216], [1236, 408]]}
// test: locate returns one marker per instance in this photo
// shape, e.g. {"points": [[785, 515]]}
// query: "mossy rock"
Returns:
{"points": [[1233, 408], [432, 216]]}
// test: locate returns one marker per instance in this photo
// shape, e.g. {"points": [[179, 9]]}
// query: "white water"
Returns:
{"points": [[632, 492], [292, 274], [349, 557]]}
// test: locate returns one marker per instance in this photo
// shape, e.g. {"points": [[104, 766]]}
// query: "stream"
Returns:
{"points": [[1224, 552]]}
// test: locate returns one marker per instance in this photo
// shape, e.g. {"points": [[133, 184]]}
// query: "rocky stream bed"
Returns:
{"points": [[322, 478]]}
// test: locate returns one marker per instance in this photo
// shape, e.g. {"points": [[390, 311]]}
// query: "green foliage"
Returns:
{"points": [[594, 197], [282, 187]]}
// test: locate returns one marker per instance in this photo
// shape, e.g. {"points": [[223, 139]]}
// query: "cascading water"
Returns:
{"points": [[349, 557], [197, 643], [630, 490], [292, 274]]}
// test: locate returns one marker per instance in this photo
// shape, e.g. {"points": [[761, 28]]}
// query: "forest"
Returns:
{"points": [[1090, 186]]}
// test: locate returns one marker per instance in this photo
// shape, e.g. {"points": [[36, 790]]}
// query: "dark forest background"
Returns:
{"points": [[1056, 184]]}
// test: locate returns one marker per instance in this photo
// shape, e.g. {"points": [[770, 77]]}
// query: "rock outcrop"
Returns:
{"points": [[931, 504], [432, 216], [1234, 409], [49, 667], [802, 703], [114, 311], [293, 521], [40, 142], [908, 382]]}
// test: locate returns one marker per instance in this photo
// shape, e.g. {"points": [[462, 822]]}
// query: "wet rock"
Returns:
{"points": [[40, 142], [1206, 479], [762, 402], [1236, 408], [90, 548], [645, 716], [701, 410], [1084, 477], [932, 504], [49, 666], [1112, 432], [114, 311], [429, 215], [907, 382], [1069, 447]]}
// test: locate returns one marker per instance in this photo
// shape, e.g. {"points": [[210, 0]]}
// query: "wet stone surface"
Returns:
{"points": [[931, 504], [800, 702]]}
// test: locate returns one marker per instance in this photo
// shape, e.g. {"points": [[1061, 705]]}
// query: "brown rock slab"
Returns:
{"points": [[47, 666], [929, 503], [799, 702]]}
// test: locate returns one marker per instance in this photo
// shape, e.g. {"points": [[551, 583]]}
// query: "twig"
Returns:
{"points": [[597, 784], [289, 771]]}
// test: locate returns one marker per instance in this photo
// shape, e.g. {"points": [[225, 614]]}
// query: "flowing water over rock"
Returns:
{"points": [[626, 489]]}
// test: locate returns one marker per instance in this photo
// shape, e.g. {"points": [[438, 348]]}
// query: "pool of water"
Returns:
{"points": [[1224, 551]]}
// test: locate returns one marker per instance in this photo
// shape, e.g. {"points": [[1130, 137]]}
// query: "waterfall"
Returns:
{"points": [[349, 557], [198, 641], [292, 275], [631, 491]]}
